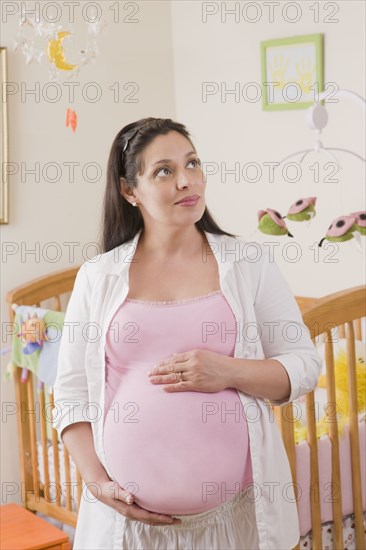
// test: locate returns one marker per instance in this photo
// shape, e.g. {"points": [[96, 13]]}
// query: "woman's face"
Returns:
{"points": [[171, 171]]}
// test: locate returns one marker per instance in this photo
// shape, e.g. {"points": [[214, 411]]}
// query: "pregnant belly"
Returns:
{"points": [[179, 452]]}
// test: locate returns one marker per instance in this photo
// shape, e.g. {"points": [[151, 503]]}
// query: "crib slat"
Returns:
{"points": [[79, 486], [31, 414], [358, 329], [331, 412], [57, 303], [56, 458], [314, 472], [353, 435], [24, 439], [44, 442], [67, 479], [287, 423]]}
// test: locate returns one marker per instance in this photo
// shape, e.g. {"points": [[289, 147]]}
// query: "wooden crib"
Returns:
{"points": [[343, 309]]}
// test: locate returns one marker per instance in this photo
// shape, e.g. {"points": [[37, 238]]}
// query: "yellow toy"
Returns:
{"points": [[341, 383]]}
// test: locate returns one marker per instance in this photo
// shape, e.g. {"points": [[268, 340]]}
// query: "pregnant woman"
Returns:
{"points": [[176, 439], [173, 456]]}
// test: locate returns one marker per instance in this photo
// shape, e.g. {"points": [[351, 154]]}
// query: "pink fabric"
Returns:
{"points": [[181, 452], [327, 493]]}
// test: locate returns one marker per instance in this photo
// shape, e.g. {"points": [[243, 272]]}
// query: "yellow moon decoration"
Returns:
{"points": [[56, 53]]}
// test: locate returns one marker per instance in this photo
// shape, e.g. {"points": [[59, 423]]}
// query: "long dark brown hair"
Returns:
{"points": [[120, 220]]}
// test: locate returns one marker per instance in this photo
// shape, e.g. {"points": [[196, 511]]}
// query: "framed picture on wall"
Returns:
{"points": [[4, 189], [292, 71]]}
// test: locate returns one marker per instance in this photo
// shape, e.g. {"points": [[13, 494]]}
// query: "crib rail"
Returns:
{"points": [[51, 498], [335, 316], [43, 288]]}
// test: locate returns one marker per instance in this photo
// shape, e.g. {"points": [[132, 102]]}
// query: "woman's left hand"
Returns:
{"points": [[202, 370]]}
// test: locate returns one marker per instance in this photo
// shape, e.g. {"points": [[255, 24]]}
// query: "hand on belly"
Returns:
{"points": [[179, 453]]}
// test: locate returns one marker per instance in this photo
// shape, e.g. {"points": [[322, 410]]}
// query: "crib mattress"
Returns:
{"points": [[302, 453]]}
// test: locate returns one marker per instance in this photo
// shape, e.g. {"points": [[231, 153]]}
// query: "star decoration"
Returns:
{"points": [[35, 34]]}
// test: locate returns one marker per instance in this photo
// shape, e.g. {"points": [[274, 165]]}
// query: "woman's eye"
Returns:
{"points": [[197, 162], [161, 169]]}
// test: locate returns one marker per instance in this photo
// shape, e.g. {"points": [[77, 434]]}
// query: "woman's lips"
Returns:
{"points": [[188, 202]]}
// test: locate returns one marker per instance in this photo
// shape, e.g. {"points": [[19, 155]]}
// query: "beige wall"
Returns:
{"points": [[169, 53]]}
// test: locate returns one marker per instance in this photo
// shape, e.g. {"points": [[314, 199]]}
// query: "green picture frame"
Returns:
{"points": [[292, 71]]}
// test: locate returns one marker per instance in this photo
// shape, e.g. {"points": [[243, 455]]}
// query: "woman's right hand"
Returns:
{"points": [[112, 494], [78, 439]]}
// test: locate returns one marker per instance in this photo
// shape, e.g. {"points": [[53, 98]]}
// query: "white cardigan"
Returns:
{"points": [[269, 326]]}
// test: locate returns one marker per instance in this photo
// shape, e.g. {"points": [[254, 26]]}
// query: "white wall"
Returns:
{"points": [[69, 212], [229, 132]]}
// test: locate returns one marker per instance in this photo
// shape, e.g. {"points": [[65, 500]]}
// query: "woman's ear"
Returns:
{"points": [[126, 191], [122, 185]]}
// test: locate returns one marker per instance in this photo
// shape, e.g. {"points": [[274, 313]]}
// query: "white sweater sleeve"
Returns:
{"points": [[284, 335], [71, 388]]}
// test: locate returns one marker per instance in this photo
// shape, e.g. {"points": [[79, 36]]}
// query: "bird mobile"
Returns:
{"points": [[271, 223], [360, 221], [345, 228], [342, 229], [302, 210]]}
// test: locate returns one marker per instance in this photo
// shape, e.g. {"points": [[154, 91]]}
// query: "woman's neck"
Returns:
{"points": [[176, 246]]}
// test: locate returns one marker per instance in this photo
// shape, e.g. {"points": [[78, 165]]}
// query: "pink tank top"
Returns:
{"points": [[180, 452]]}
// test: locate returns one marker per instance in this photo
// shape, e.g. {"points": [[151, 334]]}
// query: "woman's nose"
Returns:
{"points": [[185, 179]]}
